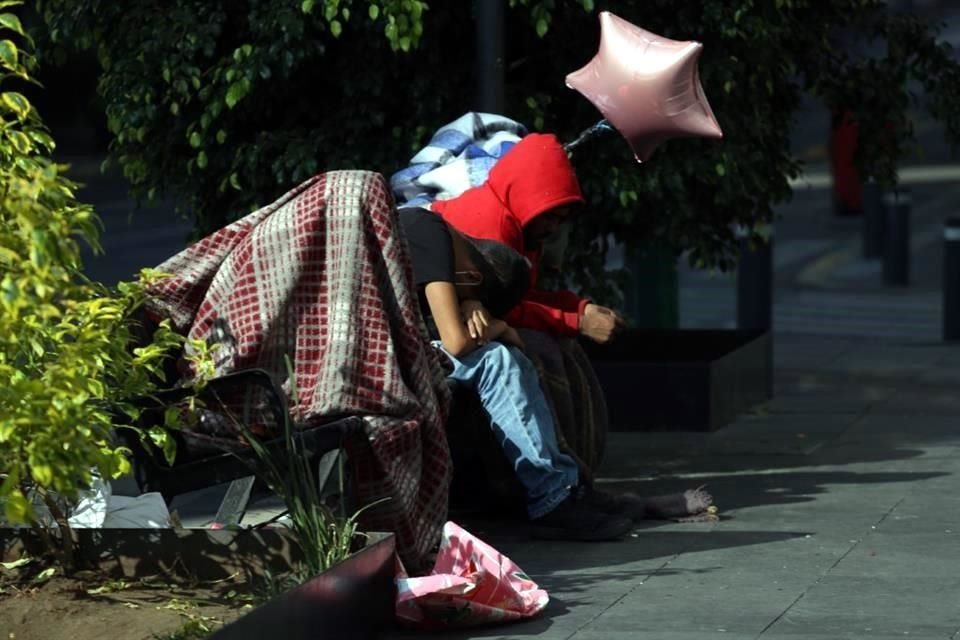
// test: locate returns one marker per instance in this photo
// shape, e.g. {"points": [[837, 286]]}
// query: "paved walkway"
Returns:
{"points": [[841, 514]]}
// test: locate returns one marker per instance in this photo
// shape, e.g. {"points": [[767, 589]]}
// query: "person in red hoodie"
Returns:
{"points": [[528, 194]]}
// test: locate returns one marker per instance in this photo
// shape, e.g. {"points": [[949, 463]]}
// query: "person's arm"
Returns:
{"points": [[448, 318], [563, 300], [543, 317], [593, 321], [445, 309]]}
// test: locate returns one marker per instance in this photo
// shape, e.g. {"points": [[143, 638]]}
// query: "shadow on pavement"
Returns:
{"points": [[778, 488]]}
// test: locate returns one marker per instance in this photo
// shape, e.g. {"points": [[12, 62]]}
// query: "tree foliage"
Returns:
{"points": [[228, 103], [65, 359]]}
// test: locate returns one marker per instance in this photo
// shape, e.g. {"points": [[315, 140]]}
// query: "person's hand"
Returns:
{"points": [[478, 320], [600, 324]]}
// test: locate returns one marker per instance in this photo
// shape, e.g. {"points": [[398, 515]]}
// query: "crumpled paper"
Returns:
{"points": [[471, 583], [97, 508]]}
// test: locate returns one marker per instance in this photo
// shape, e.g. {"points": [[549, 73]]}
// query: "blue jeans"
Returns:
{"points": [[509, 389]]}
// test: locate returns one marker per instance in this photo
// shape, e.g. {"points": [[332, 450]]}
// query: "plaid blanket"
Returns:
{"points": [[322, 276], [459, 156]]}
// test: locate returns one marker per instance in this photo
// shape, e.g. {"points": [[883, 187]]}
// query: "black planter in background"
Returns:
{"points": [[682, 380]]}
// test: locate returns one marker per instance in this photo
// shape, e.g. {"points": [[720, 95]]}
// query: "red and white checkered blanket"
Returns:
{"points": [[322, 276]]}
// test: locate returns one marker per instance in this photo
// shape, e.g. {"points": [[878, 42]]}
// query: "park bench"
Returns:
{"points": [[200, 463]]}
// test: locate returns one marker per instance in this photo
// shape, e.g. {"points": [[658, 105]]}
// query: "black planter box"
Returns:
{"points": [[352, 600], [683, 380]]}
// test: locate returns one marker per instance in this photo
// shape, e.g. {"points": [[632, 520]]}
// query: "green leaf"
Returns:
{"points": [[221, 136], [542, 27], [235, 181], [8, 54], [172, 418], [16, 507], [374, 11], [21, 142], [163, 440], [720, 169], [336, 28], [16, 102], [235, 94], [307, 6], [43, 474], [11, 22], [45, 575], [16, 563], [43, 139], [8, 256], [202, 160], [196, 139]]}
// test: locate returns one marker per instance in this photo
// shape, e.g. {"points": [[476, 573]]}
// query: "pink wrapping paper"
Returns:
{"points": [[471, 583]]}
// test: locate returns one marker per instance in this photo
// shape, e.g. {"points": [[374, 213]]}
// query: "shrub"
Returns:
{"points": [[67, 369]]}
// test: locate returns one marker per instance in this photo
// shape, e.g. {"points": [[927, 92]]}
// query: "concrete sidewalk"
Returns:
{"points": [[841, 514]]}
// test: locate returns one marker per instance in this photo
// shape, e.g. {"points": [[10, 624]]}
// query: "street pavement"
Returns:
{"points": [[840, 514]]}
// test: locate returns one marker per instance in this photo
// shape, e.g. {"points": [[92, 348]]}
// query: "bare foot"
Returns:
{"points": [[693, 505]]}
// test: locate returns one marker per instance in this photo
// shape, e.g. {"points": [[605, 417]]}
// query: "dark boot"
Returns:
{"points": [[576, 519]]}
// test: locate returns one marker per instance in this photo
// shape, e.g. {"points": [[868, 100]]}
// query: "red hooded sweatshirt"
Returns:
{"points": [[529, 180]]}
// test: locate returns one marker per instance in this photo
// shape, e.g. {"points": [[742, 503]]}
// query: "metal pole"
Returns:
{"points": [[896, 239], [489, 19], [872, 220], [755, 283], [951, 279]]}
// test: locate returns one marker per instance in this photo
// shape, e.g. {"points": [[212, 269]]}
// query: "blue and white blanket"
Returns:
{"points": [[459, 156]]}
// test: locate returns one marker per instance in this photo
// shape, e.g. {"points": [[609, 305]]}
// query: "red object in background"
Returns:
{"points": [[847, 188]]}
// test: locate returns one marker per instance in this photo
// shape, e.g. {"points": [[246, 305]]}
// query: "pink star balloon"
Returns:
{"points": [[646, 86]]}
